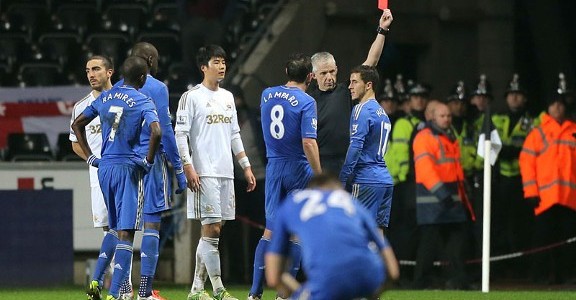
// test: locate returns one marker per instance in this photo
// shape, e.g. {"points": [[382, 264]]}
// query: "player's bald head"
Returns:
{"points": [[144, 50], [149, 53], [134, 70]]}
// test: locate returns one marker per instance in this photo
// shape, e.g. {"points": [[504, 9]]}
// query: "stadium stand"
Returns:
{"points": [[28, 147], [64, 32]]}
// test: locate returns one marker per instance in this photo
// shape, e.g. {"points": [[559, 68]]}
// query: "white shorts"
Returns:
{"points": [[99, 210], [215, 199]]}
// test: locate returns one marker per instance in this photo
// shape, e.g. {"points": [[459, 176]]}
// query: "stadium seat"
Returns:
{"points": [[65, 152], [40, 74], [34, 15], [76, 17], [168, 45], [165, 16], [28, 147], [61, 46], [13, 45], [7, 78], [114, 45], [125, 17], [178, 78]]}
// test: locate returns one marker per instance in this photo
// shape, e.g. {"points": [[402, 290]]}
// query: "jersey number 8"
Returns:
{"points": [[276, 126]]}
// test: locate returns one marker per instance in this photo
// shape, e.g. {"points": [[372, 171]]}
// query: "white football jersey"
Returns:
{"points": [[93, 134], [209, 118]]}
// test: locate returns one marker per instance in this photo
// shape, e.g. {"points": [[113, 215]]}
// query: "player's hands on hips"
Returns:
{"points": [[386, 19], [182, 182], [250, 179], [93, 161], [192, 178]]}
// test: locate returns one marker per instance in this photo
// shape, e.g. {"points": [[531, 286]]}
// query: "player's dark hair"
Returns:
{"points": [[324, 179], [208, 52], [298, 67], [106, 61], [133, 69], [368, 74]]}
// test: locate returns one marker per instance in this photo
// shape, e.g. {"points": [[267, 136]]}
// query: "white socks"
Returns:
{"points": [[207, 263]]}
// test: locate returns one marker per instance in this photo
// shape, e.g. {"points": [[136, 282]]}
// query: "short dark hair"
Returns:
{"points": [[208, 52], [368, 74], [322, 180], [133, 68], [106, 61], [298, 67]]}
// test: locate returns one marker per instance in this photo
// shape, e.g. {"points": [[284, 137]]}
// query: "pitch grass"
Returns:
{"points": [[174, 292]]}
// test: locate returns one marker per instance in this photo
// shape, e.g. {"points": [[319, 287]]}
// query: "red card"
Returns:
{"points": [[382, 4]]}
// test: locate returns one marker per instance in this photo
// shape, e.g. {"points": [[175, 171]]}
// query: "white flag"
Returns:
{"points": [[494, 149]]}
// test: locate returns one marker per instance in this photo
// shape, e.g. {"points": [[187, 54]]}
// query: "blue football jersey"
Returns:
{"points": [[369, 131], [334, 230], [288, 116], [123, 112]]}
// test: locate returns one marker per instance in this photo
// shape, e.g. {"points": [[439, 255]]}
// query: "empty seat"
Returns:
{"points": [[65, 152], [13, 45], [34, 15], [28, 147], [40, 74], [165, 16], [60, 46], [166, 42], [76, 17], [6, 76], [179, 78], [125, 17], [114, 45]]}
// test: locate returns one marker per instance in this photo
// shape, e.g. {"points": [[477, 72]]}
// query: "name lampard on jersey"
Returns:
{"points": [[120, 96], [282, 95]]}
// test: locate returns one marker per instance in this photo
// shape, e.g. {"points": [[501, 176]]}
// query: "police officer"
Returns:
{"points": [[511, 217], [399, 160], [547, 165], [462, 128]]}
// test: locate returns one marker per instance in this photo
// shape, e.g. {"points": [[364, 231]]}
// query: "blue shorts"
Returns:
{"points": [[157, 186], [361, 280], [123, 190], [377, 199], [282, 178]]}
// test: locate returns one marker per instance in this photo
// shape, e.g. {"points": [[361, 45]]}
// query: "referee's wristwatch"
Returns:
{"points": [[382, 31]]}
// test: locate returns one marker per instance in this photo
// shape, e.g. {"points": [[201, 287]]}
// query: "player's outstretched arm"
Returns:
{"points": [[378, 44], [312, 154]]}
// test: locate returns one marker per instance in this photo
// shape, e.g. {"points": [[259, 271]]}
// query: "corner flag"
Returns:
{"points": [[490, 132], [489, 145]]}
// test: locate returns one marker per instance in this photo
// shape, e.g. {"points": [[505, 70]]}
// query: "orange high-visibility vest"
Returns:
{"points": [[548, 164], [439, 174]]}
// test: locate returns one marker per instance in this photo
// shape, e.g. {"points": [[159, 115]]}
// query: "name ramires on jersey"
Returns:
{"points": [[380, 112], [281, 95], [120, 96]]}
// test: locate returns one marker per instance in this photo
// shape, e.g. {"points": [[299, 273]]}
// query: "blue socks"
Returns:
{"points": [[123, 259], [106, 254], [295, 258], [149, 256], [258, 275]]}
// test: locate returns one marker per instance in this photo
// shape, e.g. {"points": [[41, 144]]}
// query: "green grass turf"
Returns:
{"points": [[172, 292]]}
